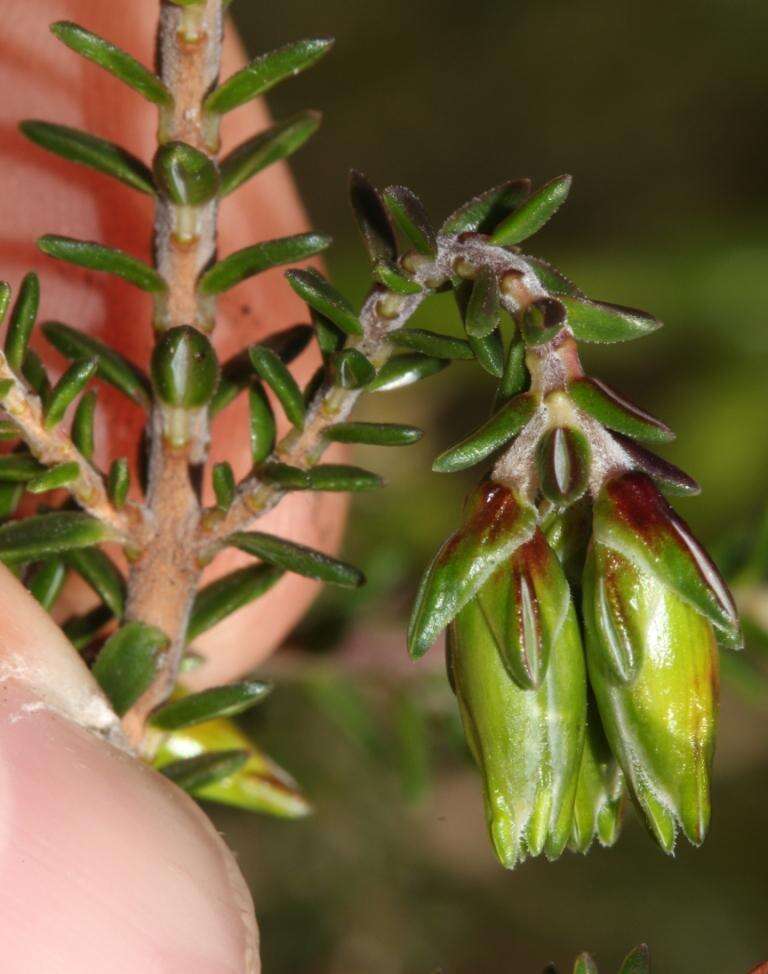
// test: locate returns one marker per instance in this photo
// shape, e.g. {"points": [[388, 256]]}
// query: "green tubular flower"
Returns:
{"points": [[599, 805], [653, 602], [527, 742]]}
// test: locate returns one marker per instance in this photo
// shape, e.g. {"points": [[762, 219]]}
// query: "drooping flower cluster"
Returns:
{"points": [[583, 617]]}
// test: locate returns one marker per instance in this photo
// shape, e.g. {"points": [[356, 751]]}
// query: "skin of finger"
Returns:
{"points": [[42, 194], [105, 864]]}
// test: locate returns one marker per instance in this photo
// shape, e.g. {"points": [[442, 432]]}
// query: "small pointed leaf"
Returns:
{"points": [[272, 371], [184, 174], [260, 257], [112, 367], [97, 257], [597, 321], [103, 576], [671, 478], [228, 594], [293, 558], [264, 72], [47, 582], [34, 372], [585, 965], [48, 534], [262, 423], [375, 434], [341, 477], [637, 961], [531, 216], [89, 150], [612, 410], [127, 663], [411, 219], [283, 475], [59, 476], [278, 142], [515, 377], [431, 343], [197, 708], [66, 390], [118, 482], [483, 212], [483, 312], [313, 288], [114, 60], [404, 370], [224, 487], [493, 434], [392, 276], [489, 352], [351, 369], [22, 321], [372, 219], [19, 468], [82, 424]]}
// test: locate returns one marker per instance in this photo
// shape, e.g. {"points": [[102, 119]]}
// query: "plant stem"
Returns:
{"points": [[164, 578], [53, 447]]}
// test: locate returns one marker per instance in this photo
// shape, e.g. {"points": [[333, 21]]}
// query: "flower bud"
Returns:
{"points": [[653, 666], [185, 370], [599, 805], [563, 462], [527, 742]]}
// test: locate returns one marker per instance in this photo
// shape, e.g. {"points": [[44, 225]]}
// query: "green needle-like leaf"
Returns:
{"points": [[97, 257], [483, 312], [372, 219], [91, 151], [551, 278], [616, 412], [48, 534], [351, 369], [375, 434], [483, 212], [18, 468], [264, 72], [197, 708], [119, 63], [191, 774], [489, 352], [66, 390], [411, 219], [531, 216], [22, 321], [10, 498], [271, 370], [118, 482], [126, 665], [82, 424], [112, 367], [498, 430], [47, 582], [313, 288], [295, 558], [262, 424], [393, 278], [431, 343], [261, 257], [5, 299], [224, 486], [237, 372], [278, 142], [103, 576], [284, 476], [58, 476], [515, 377], [341, 477], [228, 594], [597, 321], [34, 372], [403, 370]]}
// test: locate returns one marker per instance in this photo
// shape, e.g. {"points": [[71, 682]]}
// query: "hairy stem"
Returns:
{"points": [[163, 580], [53, 446]]}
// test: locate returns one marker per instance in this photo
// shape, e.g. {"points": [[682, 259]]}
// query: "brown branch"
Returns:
{"points": [[53, 446], [163, 580]]}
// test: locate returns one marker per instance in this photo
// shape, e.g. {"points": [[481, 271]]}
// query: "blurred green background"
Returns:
{"points": [[658, 110]]}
